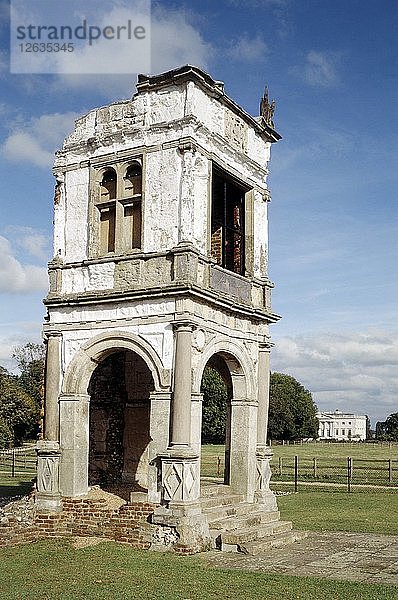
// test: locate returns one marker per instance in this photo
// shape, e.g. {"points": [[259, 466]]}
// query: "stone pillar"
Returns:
{"points": [[52, 386], [181, 406], [48, 497], [187, 193], [263, 453], [243, 447], [180, 467], [74, 442], [159, 433]]}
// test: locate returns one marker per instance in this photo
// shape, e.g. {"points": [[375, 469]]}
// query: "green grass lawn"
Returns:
{"points": [[370, 512], [337, 451], [54, 570]]}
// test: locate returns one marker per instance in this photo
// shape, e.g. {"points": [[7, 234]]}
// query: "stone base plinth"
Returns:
{"points": [[263, 495], [48, 497]]}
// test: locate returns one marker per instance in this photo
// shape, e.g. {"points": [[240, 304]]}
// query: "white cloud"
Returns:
{"points": [[174, 41], [36, 141], [248, 49], [355, 372], [30, 240], [16, 277], [319, 70], [17, 334]]}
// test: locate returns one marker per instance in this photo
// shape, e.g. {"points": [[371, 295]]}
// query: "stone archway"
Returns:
{"points": [[119, 390], [234, 361], [220, 428], [80, 381]]}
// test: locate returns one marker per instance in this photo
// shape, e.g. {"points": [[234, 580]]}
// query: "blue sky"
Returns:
{"points": [[332, 67]]}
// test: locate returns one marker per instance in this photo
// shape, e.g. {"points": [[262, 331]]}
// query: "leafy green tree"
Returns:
{"points": [[215, 398], [388, 430], [292, 412], [31, 362], [18, 412]]}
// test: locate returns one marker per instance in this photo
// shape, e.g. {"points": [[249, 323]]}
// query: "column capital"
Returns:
{"points": [[265, 346], [51, 334], [184, 325]]}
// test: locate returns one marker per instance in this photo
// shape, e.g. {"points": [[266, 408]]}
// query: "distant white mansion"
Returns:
{"points": [[341, 426]]}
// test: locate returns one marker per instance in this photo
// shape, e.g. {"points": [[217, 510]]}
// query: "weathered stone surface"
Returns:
{"points": [[151, 193]]}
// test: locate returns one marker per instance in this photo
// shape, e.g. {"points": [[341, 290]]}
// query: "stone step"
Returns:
{"points": [[230, 499], [214, 489], [242, 519], [251, 534], [277, 540], [223, 511]]}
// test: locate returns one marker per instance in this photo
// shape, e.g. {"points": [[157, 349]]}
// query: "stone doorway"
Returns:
{"points": [[217, 366], [119, 430]]}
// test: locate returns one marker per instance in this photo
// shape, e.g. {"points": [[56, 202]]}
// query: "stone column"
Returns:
{"points": [[263, 394], [52, 386], [180, 467], [263, 453], [74, 442], [181, 407], [48, 497]]}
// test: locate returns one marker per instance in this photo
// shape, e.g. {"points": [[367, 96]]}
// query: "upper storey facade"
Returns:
{"points": [[166, 190]]}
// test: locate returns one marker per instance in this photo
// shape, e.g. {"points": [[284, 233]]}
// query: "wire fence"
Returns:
{"points": [[324, 474], [18, 462]]}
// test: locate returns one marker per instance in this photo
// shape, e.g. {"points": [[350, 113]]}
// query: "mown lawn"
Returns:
{"points": [[364, 512], [337, 451], [54, 570]]}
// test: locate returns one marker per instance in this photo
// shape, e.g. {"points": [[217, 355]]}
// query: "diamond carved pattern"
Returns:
{"points": [[263, 474], [179, 479]]}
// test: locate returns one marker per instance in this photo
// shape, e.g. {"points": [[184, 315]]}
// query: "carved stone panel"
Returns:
{"points": [[180, 479], [236, 131], [228, 283]]}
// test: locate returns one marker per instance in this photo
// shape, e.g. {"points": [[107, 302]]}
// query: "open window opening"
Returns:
{"points": [[228, 222], [108, 185], [119, 209]]}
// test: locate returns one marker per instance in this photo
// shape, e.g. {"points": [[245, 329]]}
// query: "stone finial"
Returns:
{"points": [[267, 109]]}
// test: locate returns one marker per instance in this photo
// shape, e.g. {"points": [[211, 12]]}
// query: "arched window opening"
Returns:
{"points": [[108, 185], [132, 206], [133, 180]]}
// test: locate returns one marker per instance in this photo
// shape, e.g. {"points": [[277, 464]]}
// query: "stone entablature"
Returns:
{"points": [[174, 271]]}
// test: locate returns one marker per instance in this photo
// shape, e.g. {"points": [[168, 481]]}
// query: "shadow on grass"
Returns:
{"points": [[15, 487]]}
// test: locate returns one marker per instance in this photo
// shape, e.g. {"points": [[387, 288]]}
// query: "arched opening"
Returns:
{"points": [[217, 390], [108, 185], [119, 431], [133, 180]]}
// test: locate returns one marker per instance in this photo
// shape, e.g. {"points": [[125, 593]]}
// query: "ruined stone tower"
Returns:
{"points": [[159, 269]]}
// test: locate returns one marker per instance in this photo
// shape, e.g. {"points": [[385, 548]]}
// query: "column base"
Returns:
{"points": [[263, 494], [180, 510], [48, 497], [190, 526], [48, 503]]}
